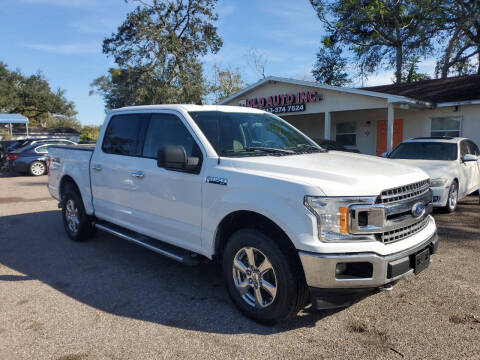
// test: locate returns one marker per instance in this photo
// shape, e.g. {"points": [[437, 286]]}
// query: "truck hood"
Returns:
{"points": [[434, 168], [335, 173]]}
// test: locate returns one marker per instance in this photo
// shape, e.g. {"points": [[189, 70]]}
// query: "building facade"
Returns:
{"points": [[373, 120]]}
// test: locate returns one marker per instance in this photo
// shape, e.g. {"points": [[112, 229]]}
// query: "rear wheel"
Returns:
{"points": [[263, 280], [37, 168], [452, 199], [77, 224]]}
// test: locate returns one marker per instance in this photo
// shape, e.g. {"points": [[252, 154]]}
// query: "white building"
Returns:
{"points": [[374, 119]]}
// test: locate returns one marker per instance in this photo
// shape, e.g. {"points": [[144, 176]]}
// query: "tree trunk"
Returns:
{"points": [[448, 54], [399, 64]]}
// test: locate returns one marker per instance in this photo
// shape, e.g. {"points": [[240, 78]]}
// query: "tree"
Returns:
{"points": [[380, 33], [460, 33], [225, 83], [157, 51], [330, 65], [257, 61], [410, 72], [89, 133], [32, 97]]}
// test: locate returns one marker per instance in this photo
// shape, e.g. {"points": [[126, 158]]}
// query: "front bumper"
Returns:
{"points": [[440, 196], [374, 271]]}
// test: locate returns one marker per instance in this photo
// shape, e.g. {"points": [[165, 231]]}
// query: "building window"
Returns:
{"points": [[346, 133], [446, 126]]}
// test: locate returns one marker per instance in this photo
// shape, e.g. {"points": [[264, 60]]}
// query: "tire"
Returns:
{"points": [[77, 224], [452, 199], [37, 168], [282, 277]]}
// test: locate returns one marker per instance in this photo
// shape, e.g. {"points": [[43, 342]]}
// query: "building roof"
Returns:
{"points": [[13, 119], [366, 92], [449, 90]]}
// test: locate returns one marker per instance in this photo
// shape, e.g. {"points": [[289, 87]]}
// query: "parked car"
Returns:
{"points": [[4, 145], [31, 159], [35, 141], [333, 145], [452, 163], [288, 220]]}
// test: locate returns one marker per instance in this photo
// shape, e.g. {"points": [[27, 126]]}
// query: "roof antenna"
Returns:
{"points": [[199, 102]]}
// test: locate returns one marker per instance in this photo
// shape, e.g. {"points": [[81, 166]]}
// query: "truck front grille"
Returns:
{"points": [[402, 232], [404, 192]]}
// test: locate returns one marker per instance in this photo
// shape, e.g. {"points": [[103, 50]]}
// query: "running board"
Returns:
{"points": [[173, 252]]}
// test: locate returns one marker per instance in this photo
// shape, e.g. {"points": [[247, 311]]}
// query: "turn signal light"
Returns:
{"points": [[343, 219], [12, 157]]}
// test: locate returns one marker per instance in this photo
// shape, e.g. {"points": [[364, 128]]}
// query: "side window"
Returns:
{"points": [[168, 129], [464, 148], [121, 137], [473, 148], [42, 149]]}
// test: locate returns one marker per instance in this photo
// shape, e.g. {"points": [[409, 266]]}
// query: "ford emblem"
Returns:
{"points": [[418, 209]]}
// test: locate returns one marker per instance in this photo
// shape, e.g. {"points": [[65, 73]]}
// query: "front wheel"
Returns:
{"points": [[452, 198], [37, 168], [263, 280]]}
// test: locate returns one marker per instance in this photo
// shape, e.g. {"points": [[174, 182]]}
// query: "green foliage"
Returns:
{"points": [[459, 21], [330, 65], [32, 97], [381, 34], [89, 133], [410, 72], [157, 51], [225, 83]]}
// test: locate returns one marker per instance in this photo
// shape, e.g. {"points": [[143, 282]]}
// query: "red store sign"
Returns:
{"points": [[285, 99]]}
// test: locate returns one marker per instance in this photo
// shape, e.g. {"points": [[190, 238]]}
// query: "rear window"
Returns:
{"points": [[122, 135], [425, 151]]}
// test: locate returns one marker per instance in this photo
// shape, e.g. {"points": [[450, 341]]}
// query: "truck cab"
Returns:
{"points": [[289, 221]]}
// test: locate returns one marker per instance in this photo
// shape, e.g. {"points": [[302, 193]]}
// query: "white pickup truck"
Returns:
{"points": [[289, 222]]}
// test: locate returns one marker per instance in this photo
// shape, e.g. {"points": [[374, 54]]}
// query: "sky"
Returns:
{"points": [[63, 40]]}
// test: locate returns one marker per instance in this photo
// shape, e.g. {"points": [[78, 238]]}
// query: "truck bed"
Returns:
{"points": [[73, 161]]}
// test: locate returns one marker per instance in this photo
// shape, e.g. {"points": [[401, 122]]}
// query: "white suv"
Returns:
{"points": [[452, 163]]}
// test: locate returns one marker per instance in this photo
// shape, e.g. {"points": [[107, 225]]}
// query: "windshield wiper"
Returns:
{"points": [[308, 147], [259, 148]]}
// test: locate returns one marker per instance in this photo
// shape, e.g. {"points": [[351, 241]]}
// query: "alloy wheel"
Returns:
{"points": [[38, 169], [71, 216], [254, 277]]}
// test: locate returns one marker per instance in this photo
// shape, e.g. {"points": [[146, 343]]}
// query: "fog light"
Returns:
{"points": [[341, 268]]}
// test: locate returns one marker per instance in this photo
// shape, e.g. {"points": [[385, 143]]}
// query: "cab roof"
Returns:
{"points": [[446, 139], [190, 107]]}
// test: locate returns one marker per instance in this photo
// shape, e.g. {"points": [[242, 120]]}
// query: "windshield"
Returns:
{"points": [[246, 134], [425, 151]]}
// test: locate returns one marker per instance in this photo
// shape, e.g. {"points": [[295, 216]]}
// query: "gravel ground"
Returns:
{"points": [[109, 299]]}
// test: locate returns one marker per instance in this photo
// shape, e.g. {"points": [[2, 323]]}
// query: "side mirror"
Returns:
{"points": [[175, 157], [469, 157], [384, 155]]}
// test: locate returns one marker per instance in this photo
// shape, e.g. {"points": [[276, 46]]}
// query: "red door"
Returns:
{"points": [[382, 134]]}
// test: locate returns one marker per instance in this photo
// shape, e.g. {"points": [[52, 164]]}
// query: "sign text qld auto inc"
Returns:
{"points": [[284, 103]]}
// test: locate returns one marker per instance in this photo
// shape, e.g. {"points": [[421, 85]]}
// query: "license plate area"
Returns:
{"points": [[421, 260]]}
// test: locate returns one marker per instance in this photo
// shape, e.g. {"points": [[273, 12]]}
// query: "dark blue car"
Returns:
{"points": [[31, 159]]}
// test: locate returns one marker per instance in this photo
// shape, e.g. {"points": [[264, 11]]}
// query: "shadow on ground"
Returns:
{"points": [[121, 278]]}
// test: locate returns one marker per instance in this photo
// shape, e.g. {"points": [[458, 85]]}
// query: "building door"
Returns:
{"points": [[382, 134]]}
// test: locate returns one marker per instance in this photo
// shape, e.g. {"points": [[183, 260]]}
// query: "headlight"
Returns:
{"points": [[440, 182], [332, 215]]}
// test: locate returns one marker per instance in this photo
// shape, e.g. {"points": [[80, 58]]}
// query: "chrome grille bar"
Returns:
{"points": [[404, 192], [403, 232]]}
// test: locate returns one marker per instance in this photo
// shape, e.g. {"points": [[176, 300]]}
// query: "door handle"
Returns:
{"points": [[137, 174], [97, 167]]}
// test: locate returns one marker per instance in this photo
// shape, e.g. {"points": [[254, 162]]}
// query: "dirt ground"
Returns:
{"points": [[109, 299]]}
